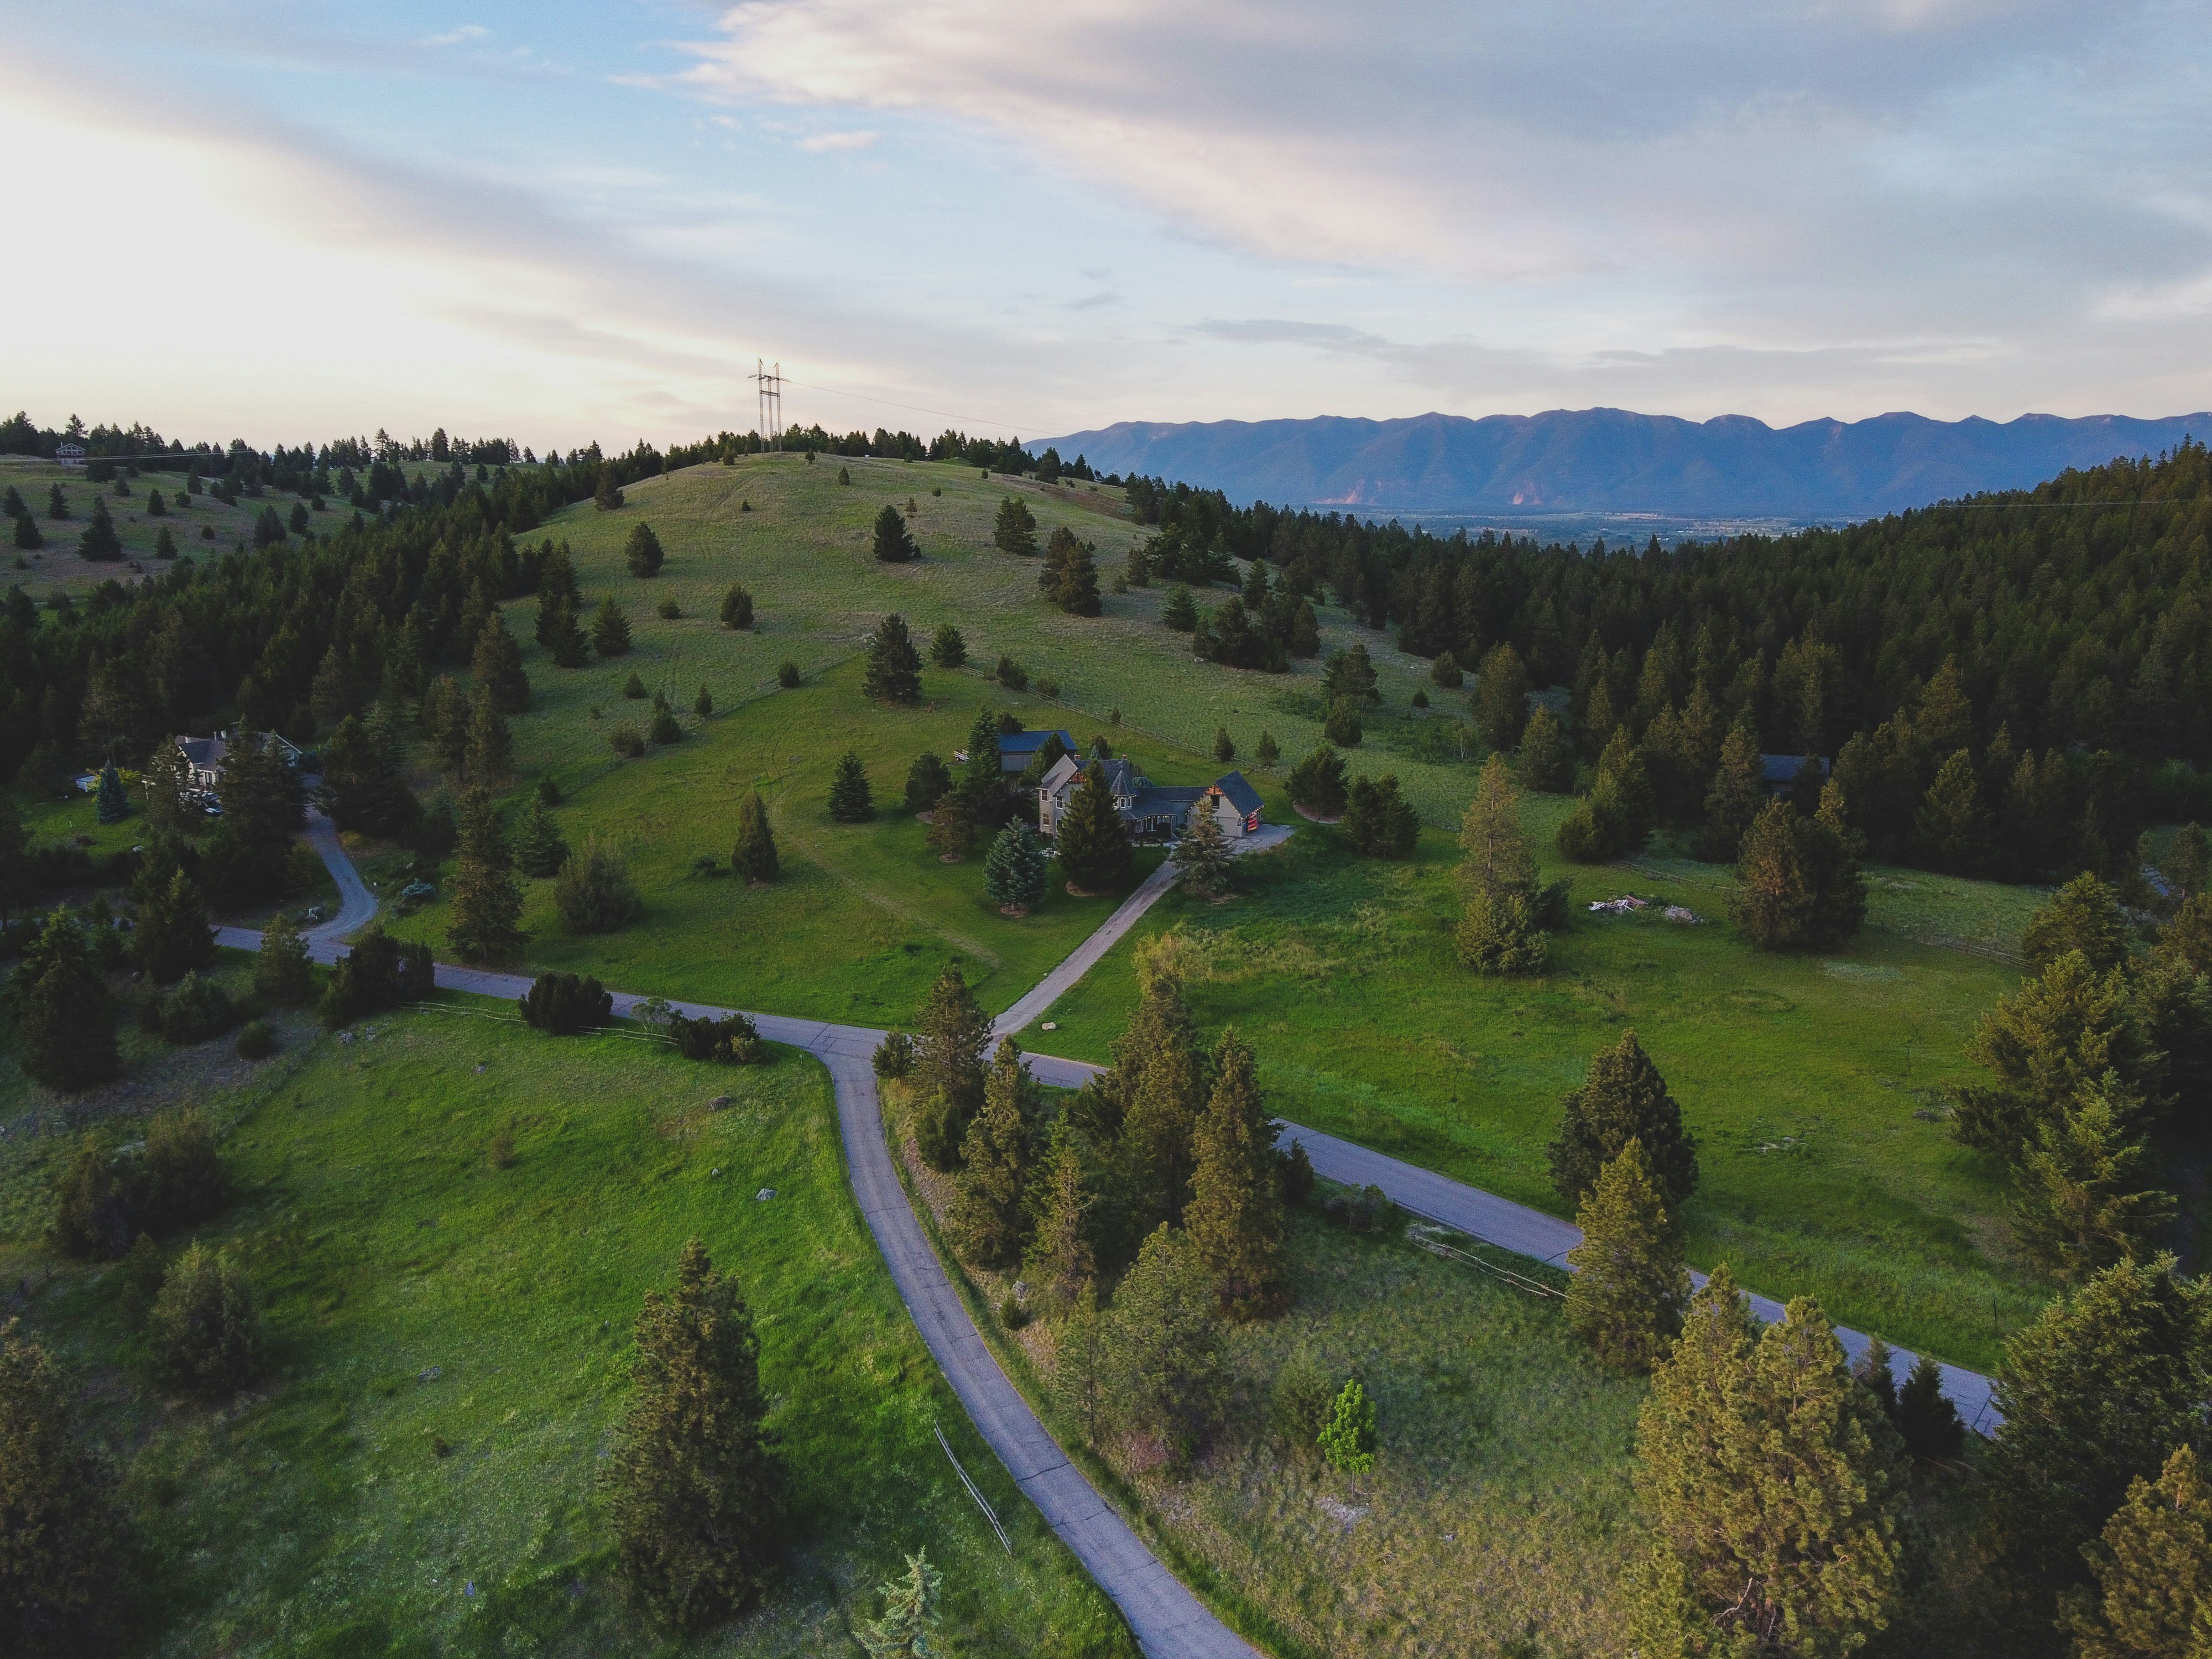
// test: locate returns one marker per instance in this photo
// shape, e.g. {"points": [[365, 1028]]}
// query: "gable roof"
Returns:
{"points": [[1028, 743], [1237, 792]]}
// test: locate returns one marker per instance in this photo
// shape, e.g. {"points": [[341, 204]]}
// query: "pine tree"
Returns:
{"points": [[1926, 1420], [1061, 1253], [1181, 611], [643, 552], [2153, 1568], [1224, 746], [1873, 1370], [608, 496], [2186, 941], [113, 805], [926, 781], [998, 1164], [1236, 1217], [497, 667], [487, 904], [2055, 1037], [281, 972], [703, 704], [1630, 1285], [363, 787], [64, 1019], [563, 638], [2081, 1205], [1772, 901], [1014, 530], [490, 753], [1159, 1082], [1341, 726], [1350, 676], [2084, 916], [755, 855], [204, 1332], [737, 608], [2188, 859], [1545, 760], [1498, 933], [1771, 1483], [1501, 701], [1317, 783], [2095, 1393], [1091, 840], [173, 938], [1953, 826], [1378, 821], [64, 1534], [983, 775], [594, 892], [948, 1075], [893, 545], [539, 850], [165, 545], [850, 798], [909, 1620], [157, 505], [1168, 1371], [893, 672], [610, 629], [1445, 672], [951, 828], [18, 877], [695, 1489], [1267, 751], [1014, 873], [1737, 797], [28, 537], [1623, 1098], [1076, 588], [946, 649], [1499, 857], [1201, 854], [100, 543]]}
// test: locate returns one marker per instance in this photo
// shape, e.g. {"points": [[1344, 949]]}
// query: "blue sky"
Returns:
{"points": [[280, 219]]}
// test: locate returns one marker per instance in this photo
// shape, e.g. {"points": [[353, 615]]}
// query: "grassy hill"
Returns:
{"points": [[56, 565], [451, 1342]]}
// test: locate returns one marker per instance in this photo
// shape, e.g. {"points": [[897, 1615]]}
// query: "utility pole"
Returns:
{"points": [[769, 384]]}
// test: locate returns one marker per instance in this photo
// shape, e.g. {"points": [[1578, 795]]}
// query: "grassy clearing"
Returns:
{"points": [[418, 1296], [1801, 1077], [1499, 1518], [56, 565]]}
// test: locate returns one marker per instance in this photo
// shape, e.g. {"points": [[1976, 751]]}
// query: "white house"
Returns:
{"points": [[70, 455]]}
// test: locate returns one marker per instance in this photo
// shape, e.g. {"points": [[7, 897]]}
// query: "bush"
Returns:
{"points": [[180, 1179], [669, 610], [665, 729], [1299, 1404], [1348, 1439], [256, 1041], [436, 833], [378, 973], [1367, 1210], [737, 608], [1010, 674], [90, 1222], [626, 739], [634, 689], [733, 1040], [562, 1004], [195, 1010], [1298, 1174], [894, 1056], [787, 675], [594, 892], [203, 1332]]}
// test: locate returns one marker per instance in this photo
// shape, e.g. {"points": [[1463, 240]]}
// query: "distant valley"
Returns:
{"points": [[1608, 461]]}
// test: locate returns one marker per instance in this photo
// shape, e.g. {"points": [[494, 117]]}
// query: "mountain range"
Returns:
{"points": [[1614, 460]]}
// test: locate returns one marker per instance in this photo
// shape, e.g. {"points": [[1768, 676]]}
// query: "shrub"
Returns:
{"points": [[1317, 783], [1299, 1404], [1367, 1210], [1048, 687], [626, 739], [195, 1010], [1342, 726], [737, 608], [203, 1332], [256, 1041], [180, 1180], [733, 1040], [594, 892], [668, 610], [634, 689], [787, 675], [562, 1004], [281, 973], [665, 729], [894, 1056], [946, 649], [1348, 1439], [90, 1221], [378, 973], [1010, 674]]}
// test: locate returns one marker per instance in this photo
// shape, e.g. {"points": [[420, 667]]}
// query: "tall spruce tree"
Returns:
{"points": [[101, 545], [281, 971], [173, 938], [642, 551], [694, 1488], [1236, 1217], [851, 801], [1167, 1374], [1201, 854], [490, 753], [2084, 916], [497, 667], [1497, 932], [2153, 1568], [64, 1017], [1545, 760], [540, 849], [1091, 840], [2096, 1393], [363, 787], [1159, 1082], [486, 909], [999, 1157], [1953, 827], [983, 774], [1014, 530], [1736, 798], [1771, 1483], [892, 672], [1623, 1098], [1631, 1284], [1015, 871], [1926, 1420], [926, 781], [946, 649], [559, 632], [111, 804], [2082, 1203], [1317, 783], [893, 545], [2055, 1037], [948, 1074], [1501, 699], [610, 629], [908, 1626], [1060, 1254], [754, 856], [1615, 818]]}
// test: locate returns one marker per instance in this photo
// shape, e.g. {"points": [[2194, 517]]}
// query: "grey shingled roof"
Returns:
{"points": [[1237, 792]]}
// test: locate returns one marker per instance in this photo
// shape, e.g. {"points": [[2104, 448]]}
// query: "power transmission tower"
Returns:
{"points": [[769, 383]]}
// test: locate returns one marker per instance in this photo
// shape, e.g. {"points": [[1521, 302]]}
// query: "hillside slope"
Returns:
{"points": [[1615, 460]]}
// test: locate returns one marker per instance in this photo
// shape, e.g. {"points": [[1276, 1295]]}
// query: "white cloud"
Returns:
{"points": [[839, 141], [461, 36]]}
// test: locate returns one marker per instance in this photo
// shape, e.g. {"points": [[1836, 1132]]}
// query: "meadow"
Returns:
{"points": [[56, 566], [451, 1340]]}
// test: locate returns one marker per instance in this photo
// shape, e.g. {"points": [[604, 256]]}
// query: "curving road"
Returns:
{"points": [[1167, 1620]]}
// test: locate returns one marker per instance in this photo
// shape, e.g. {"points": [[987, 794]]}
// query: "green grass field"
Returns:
{"points": [[56, 565], [418, 1296], [1800, 1076]]}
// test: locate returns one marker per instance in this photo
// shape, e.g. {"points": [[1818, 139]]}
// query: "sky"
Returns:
{"points": [[291, 220]]}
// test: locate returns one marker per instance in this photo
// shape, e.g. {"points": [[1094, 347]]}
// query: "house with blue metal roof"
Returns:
{"points": [[1017, 748]]}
